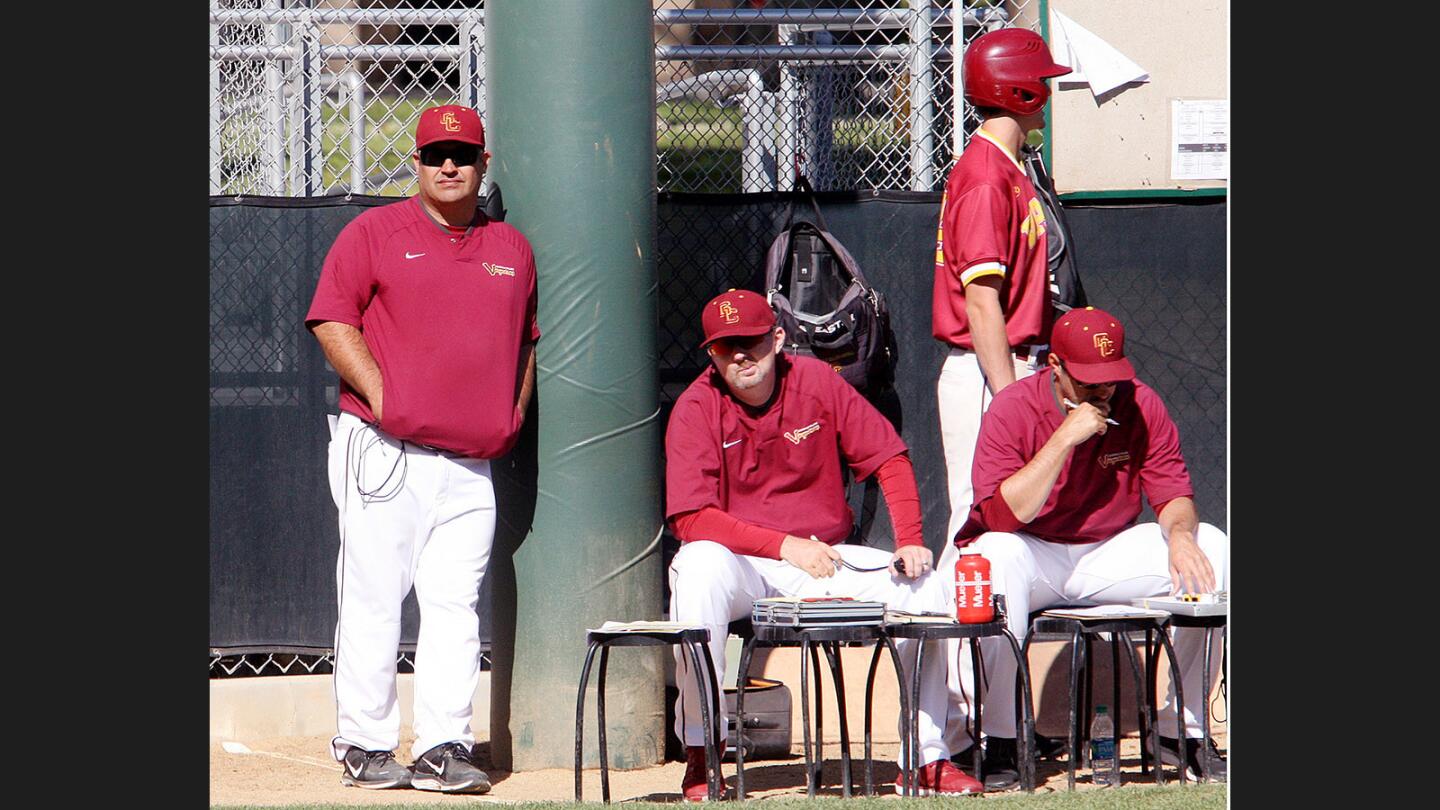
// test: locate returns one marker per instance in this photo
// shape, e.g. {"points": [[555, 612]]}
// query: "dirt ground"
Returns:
{"points": [[299, 770]]}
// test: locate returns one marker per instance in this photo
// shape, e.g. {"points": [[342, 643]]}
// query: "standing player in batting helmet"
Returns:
{"points": [[991, 304]]}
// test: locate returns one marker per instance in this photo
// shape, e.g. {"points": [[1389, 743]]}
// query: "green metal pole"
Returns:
{"points": [[570, 122]]}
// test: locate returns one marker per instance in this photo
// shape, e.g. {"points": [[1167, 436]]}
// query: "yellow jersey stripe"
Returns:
{"points": [[975, 271]]}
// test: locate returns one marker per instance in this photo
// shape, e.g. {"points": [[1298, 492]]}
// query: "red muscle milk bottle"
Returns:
{"points": [[972, 588]]}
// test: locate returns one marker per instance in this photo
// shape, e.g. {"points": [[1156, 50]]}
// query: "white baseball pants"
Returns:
{"points": [[408, 516], [963, 397], [712, 586], [1034, 574]]}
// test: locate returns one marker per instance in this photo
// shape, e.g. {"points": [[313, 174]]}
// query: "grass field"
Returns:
{"points": [[1130, 797]]}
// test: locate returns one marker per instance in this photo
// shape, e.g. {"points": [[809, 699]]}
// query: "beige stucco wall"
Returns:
{"points": [[1122, 140]]}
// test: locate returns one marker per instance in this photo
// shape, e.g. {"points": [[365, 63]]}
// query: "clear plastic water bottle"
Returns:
{"points": [[1104, 764]]}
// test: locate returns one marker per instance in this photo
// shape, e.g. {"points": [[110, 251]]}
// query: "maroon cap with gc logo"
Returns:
{"points": [[449, 122], [736, 313], [1091, 344]]}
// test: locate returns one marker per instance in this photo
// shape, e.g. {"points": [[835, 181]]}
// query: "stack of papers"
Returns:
{"points": [[905, 617], [644, 627], [795, 611], [1108, 612]]}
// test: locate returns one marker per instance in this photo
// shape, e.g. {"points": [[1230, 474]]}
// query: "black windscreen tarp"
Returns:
{"points": [[1160, 267]]}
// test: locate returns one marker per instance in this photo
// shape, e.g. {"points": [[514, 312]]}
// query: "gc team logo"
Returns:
{"points": [[497, 269], [799, 434], [1104, 344], [448, 121], [728, 312]]}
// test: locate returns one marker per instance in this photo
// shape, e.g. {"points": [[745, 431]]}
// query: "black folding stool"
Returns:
{"points": [[1079, 632], [1210, 623], [808, 638], [933, 631], [695, 641]]}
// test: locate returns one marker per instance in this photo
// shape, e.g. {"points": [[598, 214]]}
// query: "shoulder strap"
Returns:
{"points": [[803, 185], [1064, 267], [1035, 170]]}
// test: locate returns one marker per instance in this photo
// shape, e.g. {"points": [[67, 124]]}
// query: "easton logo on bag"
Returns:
{"points": [[1066, 291], [826, 307]]}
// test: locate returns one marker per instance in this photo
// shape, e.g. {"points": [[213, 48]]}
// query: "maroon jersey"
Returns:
{"points": [[1098, 492], [778, 468], [443, 315], [991, 224]]}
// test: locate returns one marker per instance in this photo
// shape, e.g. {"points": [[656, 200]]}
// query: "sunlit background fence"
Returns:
{"points": [[310, 98]]}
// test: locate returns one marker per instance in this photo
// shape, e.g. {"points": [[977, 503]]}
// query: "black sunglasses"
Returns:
{"points": [[462, 154], [728, 346]]}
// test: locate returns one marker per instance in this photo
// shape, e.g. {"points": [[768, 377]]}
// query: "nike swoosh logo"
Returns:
{"points": [[354, 769], [731, 444], [410, 255]]}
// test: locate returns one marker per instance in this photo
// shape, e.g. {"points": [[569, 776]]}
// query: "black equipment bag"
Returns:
{"points": [[767, 720], [824, 303], [1066, 291]]}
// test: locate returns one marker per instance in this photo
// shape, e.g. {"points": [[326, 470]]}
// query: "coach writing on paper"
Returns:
{"points": [[754, 491], [426, 308]]}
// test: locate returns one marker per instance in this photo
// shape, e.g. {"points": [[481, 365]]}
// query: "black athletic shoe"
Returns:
{"points": [[1001, 763], [1045, 747], [1209, 765], [375, 770], [448, 769]]}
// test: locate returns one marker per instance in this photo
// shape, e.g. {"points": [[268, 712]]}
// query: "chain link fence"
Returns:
{"points": [[316, 97], [854, 94]]}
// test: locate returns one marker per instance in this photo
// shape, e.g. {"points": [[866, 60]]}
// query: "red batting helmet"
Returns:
{"points": [[1007, 69]]}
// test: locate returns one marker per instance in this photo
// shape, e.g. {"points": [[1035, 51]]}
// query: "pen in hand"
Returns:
{"points": [[1072, 406]]}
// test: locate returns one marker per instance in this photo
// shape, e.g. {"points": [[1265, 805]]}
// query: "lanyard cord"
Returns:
{"points": [[356, 466]]}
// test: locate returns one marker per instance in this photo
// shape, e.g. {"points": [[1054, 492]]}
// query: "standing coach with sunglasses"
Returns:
{"points": [[426, 309], [1063, 458], [754, 490]]}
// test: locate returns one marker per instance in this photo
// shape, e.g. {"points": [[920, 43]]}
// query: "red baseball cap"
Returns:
{"points": [[736, 313], [449, 122], [1091, 344]]}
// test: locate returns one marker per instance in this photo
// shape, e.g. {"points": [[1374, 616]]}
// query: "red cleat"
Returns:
{"points": [[941, 778], [694, 786]]}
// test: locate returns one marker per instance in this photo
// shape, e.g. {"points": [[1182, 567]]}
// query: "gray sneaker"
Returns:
{"points": [[448, 769], [375, 770]]}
